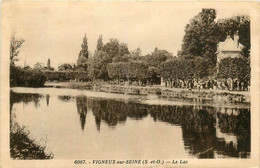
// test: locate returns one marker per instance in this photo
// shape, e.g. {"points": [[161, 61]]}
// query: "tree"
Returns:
{"points": [[235, 68], [15, 45], [155, 50], [123, 54], [155, 60], [201, 36], [202, 68], [83, 55], [117, 70], [48, 64], [111, 49], [97, 66], [123, 49], [82, 63], [177, 69], [99, 43], [152, 75], [137, 53], [84, 48], [137, 71]]}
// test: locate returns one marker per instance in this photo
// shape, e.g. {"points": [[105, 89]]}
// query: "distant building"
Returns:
{"points": [[230, 48]]}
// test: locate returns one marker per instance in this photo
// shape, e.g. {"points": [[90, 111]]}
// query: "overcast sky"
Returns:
{"points": [[55, 30]]}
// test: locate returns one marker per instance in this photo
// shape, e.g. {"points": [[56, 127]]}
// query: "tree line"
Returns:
{"points": [[196, 59]]}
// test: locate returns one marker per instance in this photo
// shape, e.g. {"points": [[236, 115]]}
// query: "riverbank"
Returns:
{"points": [[23, 147], [163, 92]]}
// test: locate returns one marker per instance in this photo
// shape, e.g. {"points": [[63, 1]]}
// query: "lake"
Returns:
{"points": [[75, 124]]}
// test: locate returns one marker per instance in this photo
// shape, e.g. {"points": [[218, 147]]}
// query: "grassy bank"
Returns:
{"points": [[23, 147]]}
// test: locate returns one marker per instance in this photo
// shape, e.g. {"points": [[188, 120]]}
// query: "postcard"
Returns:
{"points": [[129, 84]]}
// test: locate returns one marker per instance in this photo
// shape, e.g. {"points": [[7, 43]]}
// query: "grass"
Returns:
{"points": [[22, 147]]}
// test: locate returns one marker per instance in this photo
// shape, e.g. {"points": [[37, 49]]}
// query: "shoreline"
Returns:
{"points": [[150, 99], [203, 94]]}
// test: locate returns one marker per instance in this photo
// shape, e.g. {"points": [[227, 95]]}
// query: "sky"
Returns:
{"points": [[56, 30]]}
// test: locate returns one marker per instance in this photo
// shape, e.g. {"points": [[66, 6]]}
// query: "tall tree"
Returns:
{"points": [[97, 66], [201, 36], [15, 45], [99, 43], [83, 55], [155, 50], [48, 64], [84, 48], [111, 49]]}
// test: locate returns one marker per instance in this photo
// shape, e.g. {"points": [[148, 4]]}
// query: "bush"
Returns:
{"points": [[26, 77]]}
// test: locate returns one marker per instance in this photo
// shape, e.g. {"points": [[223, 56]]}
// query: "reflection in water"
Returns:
{"points": [[25, 98], [81, 102], [197, 126], [207, 132], [64, 98], [47, 99]]}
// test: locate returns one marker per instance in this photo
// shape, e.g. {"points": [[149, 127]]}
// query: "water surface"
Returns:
{"points": [[74, 124]]}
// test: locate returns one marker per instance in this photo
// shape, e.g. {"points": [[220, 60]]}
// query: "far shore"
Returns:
{"points": [[88, 85]]}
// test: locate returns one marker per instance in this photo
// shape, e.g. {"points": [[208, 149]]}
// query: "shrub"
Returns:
{"points": [[26, 77]]}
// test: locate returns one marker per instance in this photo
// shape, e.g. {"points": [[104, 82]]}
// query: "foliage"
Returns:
{"points": [[197, 58], [157, 57], [83, 55], [235, 68], [117, 70], [201, 36], [26, 77], [136, 53], [203, 68], [99, 43], [111, 49], [84, 48], [98, 66], [82, 63], [15, 45], [67, 75], [136, 71]]}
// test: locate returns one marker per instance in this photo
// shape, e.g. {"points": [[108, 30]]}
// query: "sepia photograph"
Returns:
{"points": [[129, 84]]}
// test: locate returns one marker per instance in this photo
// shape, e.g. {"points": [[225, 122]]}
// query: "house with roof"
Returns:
{"points": [[230, 48]]}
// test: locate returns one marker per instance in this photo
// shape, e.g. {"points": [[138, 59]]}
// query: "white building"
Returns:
{"points": [[230, 48]]}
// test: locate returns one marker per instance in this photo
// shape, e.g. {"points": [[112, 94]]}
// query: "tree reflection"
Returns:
{"points": [[25, 98], [207, 132], [109, 111], [81, 102], [235, 124], [113, 112], [47, 99], [204, 132], [65, 98]]}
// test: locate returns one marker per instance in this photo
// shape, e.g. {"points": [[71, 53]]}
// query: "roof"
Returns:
{"points": [[230, 45]]}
